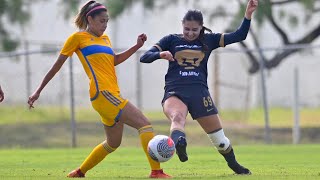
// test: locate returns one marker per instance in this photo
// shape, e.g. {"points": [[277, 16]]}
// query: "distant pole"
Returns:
{"points": [[296, 109], [247, 99], [27, 59], [216, 77], [62, 95], [72, 116], [139, 82], [28, 69], [264, 99]]}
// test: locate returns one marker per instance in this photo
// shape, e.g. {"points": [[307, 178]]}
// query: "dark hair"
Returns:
{"points": [[196, 15], [81, 20]]}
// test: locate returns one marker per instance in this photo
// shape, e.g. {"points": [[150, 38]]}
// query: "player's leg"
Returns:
{"points": [[176, 111], [212, 126], [133, 117], [113, 141], [109, 108]]}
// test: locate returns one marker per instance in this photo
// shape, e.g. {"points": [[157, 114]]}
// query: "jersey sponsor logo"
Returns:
{"points": [[189, 59], [189, 46], [189, 73]]}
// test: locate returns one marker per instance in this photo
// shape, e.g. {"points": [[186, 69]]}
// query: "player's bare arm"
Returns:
{"points": [[120, 58], [50, 74], [251, 7]]}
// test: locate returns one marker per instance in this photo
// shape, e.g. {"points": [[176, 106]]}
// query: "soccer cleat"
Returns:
{"points": [[181, 148], [76, 174], [238, 169], [159, 174]]}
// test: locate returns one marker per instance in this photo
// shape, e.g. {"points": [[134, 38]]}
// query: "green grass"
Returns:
{"points": [[279, 117], [49, 127], [283, 117], [265, 162], [47, 114]]}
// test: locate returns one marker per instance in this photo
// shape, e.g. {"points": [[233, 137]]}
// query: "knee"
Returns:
{"points": [[219, 140], [140, 121], [114, 144], [177, 117]]}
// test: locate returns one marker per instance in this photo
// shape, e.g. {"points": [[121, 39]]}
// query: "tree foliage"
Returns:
{"points": [[277, 13], [115, 7], [12, 12], [273, 12]]}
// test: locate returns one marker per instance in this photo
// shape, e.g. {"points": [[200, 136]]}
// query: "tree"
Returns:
{"points": [[269, 11], [12, 12]]}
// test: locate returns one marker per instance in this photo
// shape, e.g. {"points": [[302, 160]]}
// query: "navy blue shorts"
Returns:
{"points": [[197, 99]]}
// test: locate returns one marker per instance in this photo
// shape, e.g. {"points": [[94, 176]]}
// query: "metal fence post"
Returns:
{"points": [[264, 99], [139, 82], [28, 69], [296, 125], [72, 116], [216, 80]]}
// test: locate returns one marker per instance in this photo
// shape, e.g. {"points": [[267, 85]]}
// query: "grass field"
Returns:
{"points": [[49, 127], [265, 162], [23, 132], [279, 117]]}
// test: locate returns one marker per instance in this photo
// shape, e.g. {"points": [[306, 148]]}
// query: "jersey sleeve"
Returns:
{"points": [[164, 43], [239, 35], [213, 40], [70, 46]]}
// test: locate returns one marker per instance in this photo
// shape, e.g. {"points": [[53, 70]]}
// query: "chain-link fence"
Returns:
{"points": [[231, 86]]}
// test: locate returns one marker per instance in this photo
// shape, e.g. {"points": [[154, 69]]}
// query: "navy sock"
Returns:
{"points": [[176, 134], [234, 165], [230, 157]]}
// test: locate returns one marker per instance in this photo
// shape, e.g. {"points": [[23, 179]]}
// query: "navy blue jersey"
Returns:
{"points": [[190, 65], [191, 58]]}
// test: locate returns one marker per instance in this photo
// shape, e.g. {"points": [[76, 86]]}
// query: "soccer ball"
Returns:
{"points": [[161, 148]]}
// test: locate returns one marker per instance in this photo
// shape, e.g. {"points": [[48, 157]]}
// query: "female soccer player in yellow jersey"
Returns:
{"points": [[95, 52]]}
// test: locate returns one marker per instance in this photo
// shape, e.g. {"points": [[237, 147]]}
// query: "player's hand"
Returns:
{"points": [[166, 55], [32, 99], [141, 39], [251, 7], [1, 95]]}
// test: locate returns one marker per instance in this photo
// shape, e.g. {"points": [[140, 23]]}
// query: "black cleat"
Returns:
{"points": [[181, 147], [238, 169]]}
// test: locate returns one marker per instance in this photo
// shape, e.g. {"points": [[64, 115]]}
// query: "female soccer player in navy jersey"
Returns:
{"points": [[98, 59], [1, 95], [186, 88]]}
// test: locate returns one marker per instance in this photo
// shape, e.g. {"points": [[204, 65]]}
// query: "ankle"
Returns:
{"points": [[80, 172], [157, 170]]}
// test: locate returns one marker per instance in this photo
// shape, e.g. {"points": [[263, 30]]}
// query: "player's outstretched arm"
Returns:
{"points": [[120, 58], [154, 54], [1, 95], [251, 7], [241, 33], [50, 74]]}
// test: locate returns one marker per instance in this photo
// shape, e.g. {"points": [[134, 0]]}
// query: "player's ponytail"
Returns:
{"points": [[201, 37], [81, 19], [196, 15]]}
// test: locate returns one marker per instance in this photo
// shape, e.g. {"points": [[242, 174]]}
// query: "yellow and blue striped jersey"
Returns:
{"points": [[97, 58]]}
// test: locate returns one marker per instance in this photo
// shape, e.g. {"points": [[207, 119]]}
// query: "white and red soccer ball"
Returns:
{"points": [[161, 148]]}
